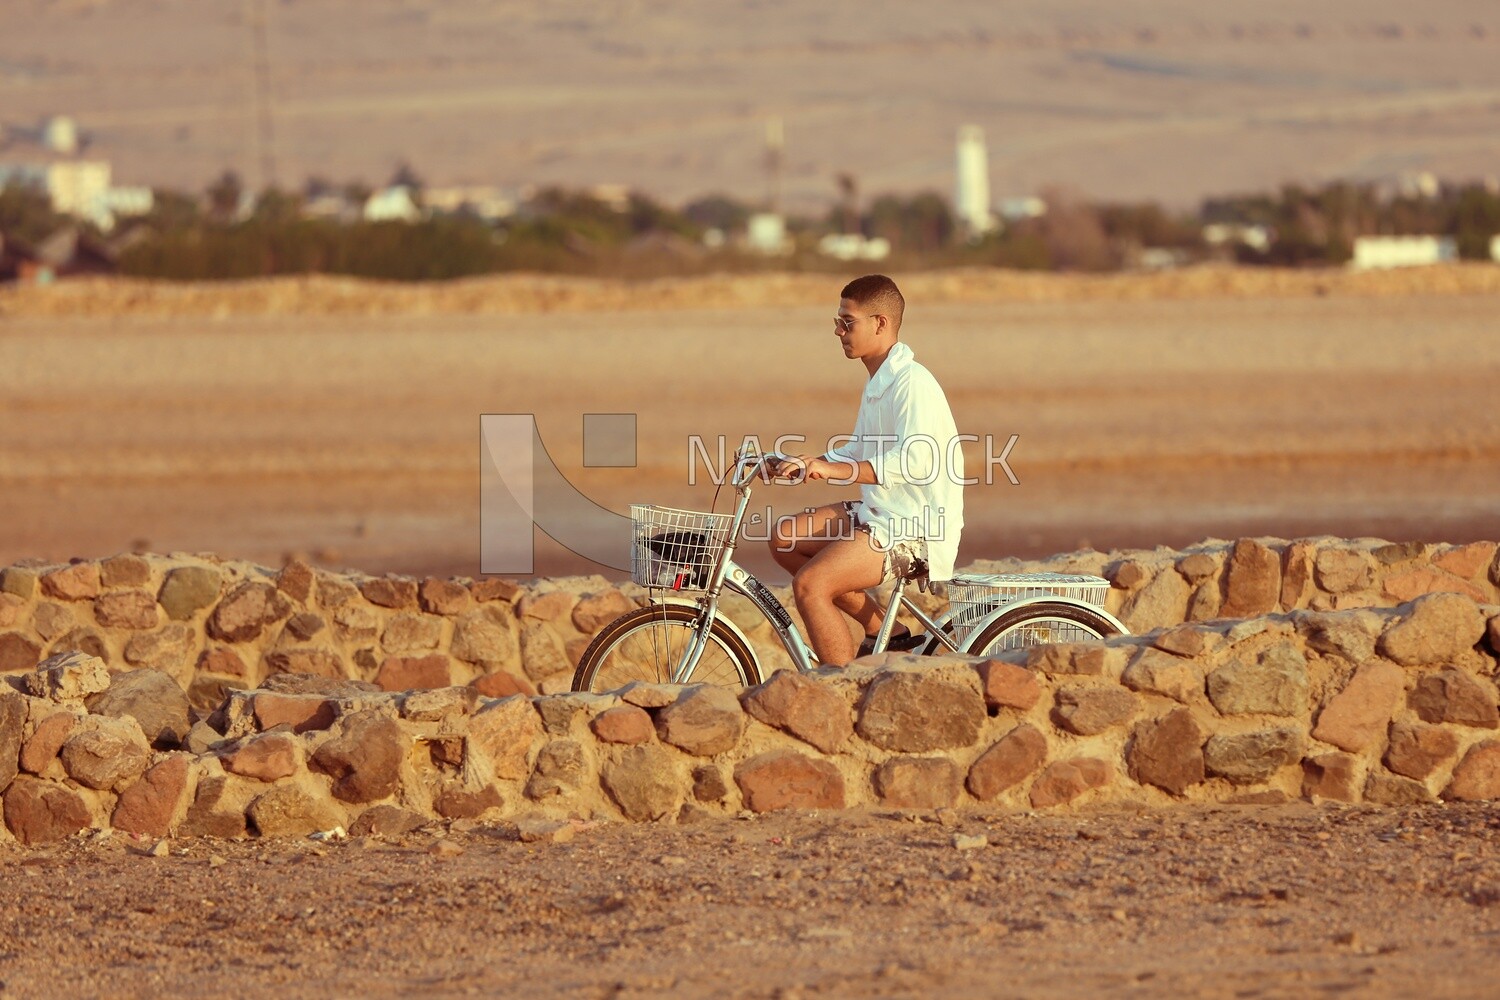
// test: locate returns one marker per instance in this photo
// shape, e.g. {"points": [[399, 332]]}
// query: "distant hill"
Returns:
{"points": [[1168, 100]]}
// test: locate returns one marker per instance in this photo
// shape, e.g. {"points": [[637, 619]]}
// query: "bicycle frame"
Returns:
{"points": [[727, 572]]}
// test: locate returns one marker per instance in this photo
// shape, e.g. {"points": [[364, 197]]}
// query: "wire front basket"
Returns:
{"points": [[676, 548], [973, 596]]}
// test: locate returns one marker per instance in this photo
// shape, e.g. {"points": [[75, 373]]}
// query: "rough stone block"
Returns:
{"points": [[1341, 571], [1087, 711], [13, 712], [444, 597], [920, 711], [808, 710], [1156, 672], [132, 609], [1160, 603], [786, 779], [1349, 634], [304, 713], [1252, 580], [1066, 780], [78, 582], [1453, 696], [1246, 758], [1417, 751], [390, 592], [1360, 714], [264, 758], [188, 589], [411, 631], [295, 580], [561, 767], [502, 684], [18, 580], [439, 704], [410, 673], [1013, 758], [917, 782], [1465, 561], [703, 721], [42, 748], [1477, 776], [1297, 573], [1332, 776], [102, 753], [244, 612], [598, 610], [464, 802], [644, 782], [364, 759], [18, 653], [1275, 684], [542, 652], [1420, 580], [40, 812], [1435, 629], [494, 589], [70, 676], [311, 661], [153, 700], [150, 806], [1197, 567], [625, 724], [1007, 685], [212, 814], [1390, 790], [289, 811], [1168, 752], [486, 637], [504, 731]]}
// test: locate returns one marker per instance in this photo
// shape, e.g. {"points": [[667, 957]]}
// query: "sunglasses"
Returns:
{"points": [[845, 324]]}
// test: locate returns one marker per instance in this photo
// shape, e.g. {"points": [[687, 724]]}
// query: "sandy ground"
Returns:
{"points": [[356, 438], [1287, 901], [1155, 99]]}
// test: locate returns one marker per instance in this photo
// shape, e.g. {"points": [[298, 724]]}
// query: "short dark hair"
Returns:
{"points": [[877, 292]]}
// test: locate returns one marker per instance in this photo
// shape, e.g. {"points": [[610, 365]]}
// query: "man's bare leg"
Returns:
{"points": [[841, 567], [796, 539]]}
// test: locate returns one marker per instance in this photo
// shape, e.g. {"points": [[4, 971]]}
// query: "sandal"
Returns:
{"points": [[898, 644]]}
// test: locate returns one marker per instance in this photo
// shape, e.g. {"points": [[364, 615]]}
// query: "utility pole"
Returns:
{"points": [[260, 68], [775, 145]]}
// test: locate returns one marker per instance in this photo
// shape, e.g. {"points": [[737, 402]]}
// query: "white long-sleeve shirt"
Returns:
{"points": [[905, 430]]}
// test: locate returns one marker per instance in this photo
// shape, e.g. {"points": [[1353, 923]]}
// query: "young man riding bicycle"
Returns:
{"points": [[905, 457]]}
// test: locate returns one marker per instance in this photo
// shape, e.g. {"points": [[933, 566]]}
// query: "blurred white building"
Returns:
{"points": [[766, 233], [1402, 251], [392, 204], [48, 158], [972, 204]]}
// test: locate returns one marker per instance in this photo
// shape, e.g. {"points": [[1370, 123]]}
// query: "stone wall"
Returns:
{"points": [[216, 625], [1383, 705]]}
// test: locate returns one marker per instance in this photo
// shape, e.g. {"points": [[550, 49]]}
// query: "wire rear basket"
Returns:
{"points": [[676, 548], [973, 596]]}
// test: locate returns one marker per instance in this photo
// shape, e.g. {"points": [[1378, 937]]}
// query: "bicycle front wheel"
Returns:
{"points": [[647, 644], [1040, 625]]}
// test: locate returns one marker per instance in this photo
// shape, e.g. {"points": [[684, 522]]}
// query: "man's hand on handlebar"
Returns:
{"points": [[794, 469]]}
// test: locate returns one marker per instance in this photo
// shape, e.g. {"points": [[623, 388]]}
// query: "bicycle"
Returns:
{"points": [[678, 640]]}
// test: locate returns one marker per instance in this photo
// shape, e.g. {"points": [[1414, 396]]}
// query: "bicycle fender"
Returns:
{"points": [[720, 617], [1009, 606]]}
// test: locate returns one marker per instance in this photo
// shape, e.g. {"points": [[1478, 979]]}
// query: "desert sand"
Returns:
{"points": [[341, 420], [1165, 99], [1289, 901]]}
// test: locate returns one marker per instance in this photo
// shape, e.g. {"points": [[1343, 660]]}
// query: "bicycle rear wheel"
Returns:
{"points": [[1039, 625], [646, 645]]}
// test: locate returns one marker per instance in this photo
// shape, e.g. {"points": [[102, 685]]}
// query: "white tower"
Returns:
{"points": [[973, 202]]}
